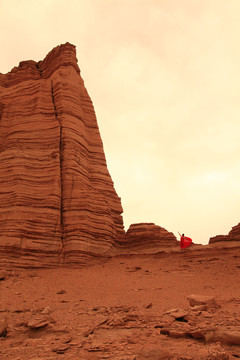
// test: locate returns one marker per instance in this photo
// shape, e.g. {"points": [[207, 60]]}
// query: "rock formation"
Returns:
{"points": [[233, 235], [57, 199], [192, 323], [147, 237]]}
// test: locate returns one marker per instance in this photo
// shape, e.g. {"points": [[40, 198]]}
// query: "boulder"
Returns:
{"points": [[223, 336], [195, 300]]}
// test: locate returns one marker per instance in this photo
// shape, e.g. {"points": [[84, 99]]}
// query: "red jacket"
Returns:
{"points": [[185, 242]]}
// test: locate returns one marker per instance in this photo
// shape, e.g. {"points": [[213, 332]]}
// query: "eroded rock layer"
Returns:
{"points": [[233, 235], [147, 238], [57, 199]]}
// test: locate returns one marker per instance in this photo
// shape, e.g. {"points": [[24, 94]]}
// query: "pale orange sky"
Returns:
{"points": [[164, 77]]}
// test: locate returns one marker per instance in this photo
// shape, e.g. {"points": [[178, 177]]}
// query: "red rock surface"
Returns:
{"points": [[125, 308], [147, 238], [57, 199], [233, 235]]}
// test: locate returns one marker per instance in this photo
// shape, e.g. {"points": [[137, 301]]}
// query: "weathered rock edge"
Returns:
{"points": [[233, 235]]}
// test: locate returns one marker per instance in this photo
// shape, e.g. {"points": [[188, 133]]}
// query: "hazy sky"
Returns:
{"points": [[164, 78]]}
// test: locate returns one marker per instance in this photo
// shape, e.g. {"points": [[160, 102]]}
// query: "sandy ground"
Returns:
{"points": [[115, 309]]}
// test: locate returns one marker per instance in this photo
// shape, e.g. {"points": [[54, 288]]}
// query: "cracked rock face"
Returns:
{"points": [[57, 198]]}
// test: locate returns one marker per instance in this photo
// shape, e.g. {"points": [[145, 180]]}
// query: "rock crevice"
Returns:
{"points": [[60, 168]]}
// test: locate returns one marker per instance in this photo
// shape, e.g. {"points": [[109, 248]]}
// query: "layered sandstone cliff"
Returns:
{"points": [[146, 238], [57, 199], [233, 235]]}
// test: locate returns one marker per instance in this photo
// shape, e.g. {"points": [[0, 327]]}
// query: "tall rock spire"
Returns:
{"points": [[57, 198]]}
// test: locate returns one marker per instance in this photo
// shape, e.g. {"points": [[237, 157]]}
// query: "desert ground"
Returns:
{"points": [[127, 307]]}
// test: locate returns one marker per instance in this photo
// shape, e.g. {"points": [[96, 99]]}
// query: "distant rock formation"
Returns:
{"points": [[147, 237], [57, 199], [233, 235]]}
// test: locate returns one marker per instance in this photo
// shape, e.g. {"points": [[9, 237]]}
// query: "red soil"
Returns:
{"points": [[114, 309]]}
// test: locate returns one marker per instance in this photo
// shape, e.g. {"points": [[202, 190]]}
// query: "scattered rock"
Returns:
{"points": [[177, 313], [89, 331], [174, 333], [21, 310], [134, 268], [94, 308], [148, 306], [201, 300], [167, 319], [67, 339], [3, 328], [60, 349], [116, 320], [97, 346], [46, 310], [37, 323], [60, 292], [33, 274], [92, 329], [199, 308], [210, 335], [197, 334], [2, 276]]}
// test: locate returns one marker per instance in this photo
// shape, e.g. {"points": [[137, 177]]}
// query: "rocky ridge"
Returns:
{"points": [[233, 235]]}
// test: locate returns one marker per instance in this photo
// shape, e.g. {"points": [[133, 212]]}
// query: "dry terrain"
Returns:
{"points": [[128, 307]]}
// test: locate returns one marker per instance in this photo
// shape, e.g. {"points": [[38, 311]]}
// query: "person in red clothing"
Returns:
{"points": [[185, 241]]}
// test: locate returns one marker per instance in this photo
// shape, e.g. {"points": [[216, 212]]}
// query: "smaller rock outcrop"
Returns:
{"points": [[196, 323], [196, 300], [233, 235], [147, 237]]}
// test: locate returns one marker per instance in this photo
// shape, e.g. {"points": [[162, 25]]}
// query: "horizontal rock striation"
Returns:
{"points": [[146, 238], [57, 198], [233, 235]]}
